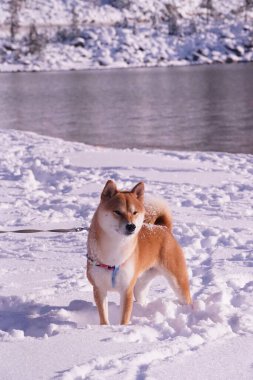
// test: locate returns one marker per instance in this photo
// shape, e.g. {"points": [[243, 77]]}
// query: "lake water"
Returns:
{"points": [[207, 108]]}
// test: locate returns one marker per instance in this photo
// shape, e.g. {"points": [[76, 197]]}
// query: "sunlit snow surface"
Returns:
{"points": [[48, 321]]}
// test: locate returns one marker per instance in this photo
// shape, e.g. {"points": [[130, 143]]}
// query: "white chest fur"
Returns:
{"points": [[103, 277], [112, 250]]}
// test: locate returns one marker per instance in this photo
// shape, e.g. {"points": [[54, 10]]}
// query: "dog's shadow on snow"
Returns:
{"points": [[39, 320]]}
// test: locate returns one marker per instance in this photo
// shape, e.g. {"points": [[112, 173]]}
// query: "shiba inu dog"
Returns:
{"points": [[130, 242]]}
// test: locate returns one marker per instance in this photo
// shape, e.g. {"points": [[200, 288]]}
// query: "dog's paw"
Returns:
{"points": [[141, 299]]}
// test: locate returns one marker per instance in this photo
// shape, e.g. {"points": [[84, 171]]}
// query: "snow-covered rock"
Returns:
{"points": [[137, 33]]}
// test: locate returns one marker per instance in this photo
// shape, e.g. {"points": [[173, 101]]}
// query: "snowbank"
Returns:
{"points": [[77, 34], [48, 321]]}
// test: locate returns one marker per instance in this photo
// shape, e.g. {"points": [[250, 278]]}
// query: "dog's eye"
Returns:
{"points": [[135, 212], [117, 212]]}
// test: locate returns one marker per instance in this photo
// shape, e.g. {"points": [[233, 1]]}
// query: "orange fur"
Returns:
{"points": [[151, 249]]}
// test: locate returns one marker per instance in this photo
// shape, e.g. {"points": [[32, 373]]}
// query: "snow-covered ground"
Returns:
{"points": [[48, 321], [80, 34]]}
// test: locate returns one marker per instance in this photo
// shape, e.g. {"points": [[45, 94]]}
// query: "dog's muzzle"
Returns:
{"points": [[130, 228]]}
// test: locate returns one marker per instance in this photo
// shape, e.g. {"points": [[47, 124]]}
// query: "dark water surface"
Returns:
{"points": [[207, 108]]}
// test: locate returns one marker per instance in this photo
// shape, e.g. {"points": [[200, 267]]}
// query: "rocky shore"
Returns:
{"points": [[122, 37]]}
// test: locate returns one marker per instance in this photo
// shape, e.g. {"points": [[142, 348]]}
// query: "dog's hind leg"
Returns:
{"points": [[142, 285], [100, 297], [179, 285], [174, 269]]}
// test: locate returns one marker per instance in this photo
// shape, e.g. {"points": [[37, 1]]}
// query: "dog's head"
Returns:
{"points": [[121, 212]]}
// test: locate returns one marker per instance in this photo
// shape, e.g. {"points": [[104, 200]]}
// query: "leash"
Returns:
{"points": [[34, 231], [113, 268]]}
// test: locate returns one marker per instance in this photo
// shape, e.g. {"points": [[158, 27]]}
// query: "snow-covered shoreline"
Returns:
{"points": [[137, 35], [46, 303]]}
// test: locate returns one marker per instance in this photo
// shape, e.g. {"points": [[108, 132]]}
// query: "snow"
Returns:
{"points": [[81, 34], [48, 321]]}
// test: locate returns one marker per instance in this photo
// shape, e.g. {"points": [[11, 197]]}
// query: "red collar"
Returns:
{"points": [[114, 268], [97, 264]]}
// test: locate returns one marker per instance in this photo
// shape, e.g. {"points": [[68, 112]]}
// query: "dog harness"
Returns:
{"points": [[114, 268]]}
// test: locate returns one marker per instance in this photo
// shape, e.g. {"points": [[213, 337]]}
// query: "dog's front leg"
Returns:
{"points": [[100, 297], [126, 305]]}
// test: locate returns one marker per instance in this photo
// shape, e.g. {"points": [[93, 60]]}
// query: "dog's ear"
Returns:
{"points": [[138, 191], [109, 190]]}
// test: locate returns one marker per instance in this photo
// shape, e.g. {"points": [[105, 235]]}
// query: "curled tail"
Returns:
{"points": [[157, 212]]}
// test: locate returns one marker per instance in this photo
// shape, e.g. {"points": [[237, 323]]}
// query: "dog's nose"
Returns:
{"points": [[130, 227]]}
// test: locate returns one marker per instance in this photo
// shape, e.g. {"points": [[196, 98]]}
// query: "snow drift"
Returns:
{"points": [[48, 321]]}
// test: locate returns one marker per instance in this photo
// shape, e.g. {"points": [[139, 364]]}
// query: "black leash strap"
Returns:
{"points": [[33, 231]]}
